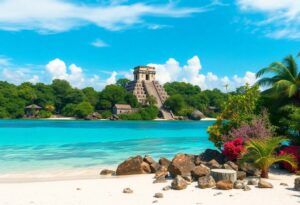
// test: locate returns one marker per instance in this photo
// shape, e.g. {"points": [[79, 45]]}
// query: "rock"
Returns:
{"points": [[231, 165], [155, 201], [283, 184], [166, 188], [182, 164], [252, 182], [200, 171], [148, 159], [250, 169], [161, 179], [206, 182], [241, 175], [164, 162], [161, 172], [158, 195], [224, 185], [198, 161], [223, 174], [179, 183], [107, 172], [213, 164], [154, 166], [246, 188], [197, 115], [133, 165], [297, 183], [210, 154], [127, 191], [238, 184], [188, 179], [93, 116], [264, 184]]}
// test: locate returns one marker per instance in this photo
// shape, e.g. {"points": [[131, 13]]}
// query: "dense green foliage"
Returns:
{"points": [[185, 98], [147, 113]]}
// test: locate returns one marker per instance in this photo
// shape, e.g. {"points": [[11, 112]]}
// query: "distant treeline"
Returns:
{"points": [[61, 98]]}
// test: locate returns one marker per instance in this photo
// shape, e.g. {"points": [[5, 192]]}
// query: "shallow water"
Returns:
{"points": [[27, 145]]}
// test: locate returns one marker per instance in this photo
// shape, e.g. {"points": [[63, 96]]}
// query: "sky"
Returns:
{"points": [[209, 43]]}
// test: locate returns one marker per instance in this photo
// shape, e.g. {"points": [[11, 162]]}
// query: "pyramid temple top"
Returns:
{"points": [[146, 73]]}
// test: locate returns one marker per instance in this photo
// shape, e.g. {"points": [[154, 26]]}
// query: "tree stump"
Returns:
{"points": [[223, 174]]}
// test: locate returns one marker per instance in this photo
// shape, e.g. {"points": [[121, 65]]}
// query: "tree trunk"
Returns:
{"points": [[265, 173]]}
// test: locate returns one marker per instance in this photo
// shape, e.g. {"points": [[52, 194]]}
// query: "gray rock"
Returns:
{"points": [[158, 195], [166, 188], [197, 115], [283, 184], [206, 182], [241, 175], [238, 184], [179, 183], [246, 188], [231, 165], [161, 179], [297, 183], [107, 172], [252, 182], [127, 191], [155, 201], [264, 184], [250, 169]]}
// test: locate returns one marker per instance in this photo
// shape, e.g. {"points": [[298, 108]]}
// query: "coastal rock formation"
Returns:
{"points": [[178, 183], [206, 182], [210, 154], [182, 164], [93, 116], [107, 172], [154, 166], [224, 185], [297, 183], [164, 162], [200, 171], [197, 115], [264, 184], [133, 165]]}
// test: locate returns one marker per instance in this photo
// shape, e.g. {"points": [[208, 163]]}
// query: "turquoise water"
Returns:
{"points": [[41, 144]]}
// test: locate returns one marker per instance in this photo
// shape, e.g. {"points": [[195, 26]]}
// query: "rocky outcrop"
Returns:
{"points": [[224, 185], [200, 171], [182, 164], [264, 184], [206, 182], [297, 184], [154, 166], [197, 115], [164, 162], [93, 116], [210, 154], [178, 183], [133, 165]]}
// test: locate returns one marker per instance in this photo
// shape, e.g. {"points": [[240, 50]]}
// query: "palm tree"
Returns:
{"points": [[261, 152], [286, 78]]}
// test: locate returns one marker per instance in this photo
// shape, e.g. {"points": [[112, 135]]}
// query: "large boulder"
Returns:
{"points": [[197, 115], [200, 171], [154, 166], [211, 154], [297, 183], [224, 185], [164, 162], [206, 182], [182, 164], [179, 183], [250, 169], [133, 165]]}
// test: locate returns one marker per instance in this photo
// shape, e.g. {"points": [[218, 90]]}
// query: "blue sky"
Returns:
{"points": [[94, 42]]}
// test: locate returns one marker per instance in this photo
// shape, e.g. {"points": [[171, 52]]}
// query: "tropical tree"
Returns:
{"points": [[261, 152], [286, 78]]}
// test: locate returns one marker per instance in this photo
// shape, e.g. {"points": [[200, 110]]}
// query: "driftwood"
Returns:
{"points": [[223, 174]]}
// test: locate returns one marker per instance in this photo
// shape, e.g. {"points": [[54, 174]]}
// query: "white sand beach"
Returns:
{"points": [[108, 190]]}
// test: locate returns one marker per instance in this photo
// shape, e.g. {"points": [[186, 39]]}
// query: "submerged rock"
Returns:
{"points": [[133, 165], [206, 182], [182, 164], [179, 183]]}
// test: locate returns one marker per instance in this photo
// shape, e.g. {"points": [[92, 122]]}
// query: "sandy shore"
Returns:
{"points": [[109, 191]]}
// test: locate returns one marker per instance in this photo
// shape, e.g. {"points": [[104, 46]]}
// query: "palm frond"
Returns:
{"points": [[270, 69], [288, 158], [291, 64]]}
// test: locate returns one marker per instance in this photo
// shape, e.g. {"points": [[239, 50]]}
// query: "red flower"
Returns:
{"points": [[233, 149], [293, 150]]}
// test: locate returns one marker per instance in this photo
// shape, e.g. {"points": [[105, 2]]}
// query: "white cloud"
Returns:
{"points": [[4, 61], [281, 17], [112, 79], [61, 15], [99, 43], [191, 73]]}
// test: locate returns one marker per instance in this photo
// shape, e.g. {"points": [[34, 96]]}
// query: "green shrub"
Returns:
{"points": [[44, 114], [106, 114]]}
